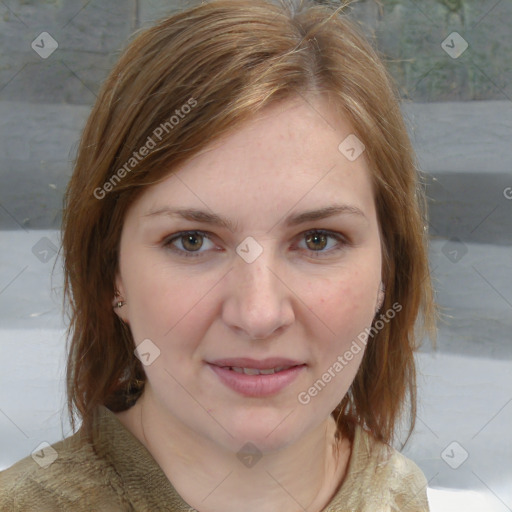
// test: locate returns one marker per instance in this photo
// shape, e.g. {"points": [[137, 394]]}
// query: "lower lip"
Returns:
{"points": [[257, 385]]}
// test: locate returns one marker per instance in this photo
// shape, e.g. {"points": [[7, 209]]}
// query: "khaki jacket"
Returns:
{"points": [[114, 472]]}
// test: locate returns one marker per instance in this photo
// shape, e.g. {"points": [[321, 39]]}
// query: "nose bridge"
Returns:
{"points": [[258, 302], [257, 279]]}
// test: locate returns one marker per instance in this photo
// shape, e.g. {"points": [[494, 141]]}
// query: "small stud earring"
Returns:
{"points": [[120, 303]]}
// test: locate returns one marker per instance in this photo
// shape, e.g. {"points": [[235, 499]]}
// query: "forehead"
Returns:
{"points": [[286, 156]]}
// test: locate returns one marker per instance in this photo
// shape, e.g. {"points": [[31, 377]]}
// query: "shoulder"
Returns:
{"points": [[380, 478], [397, 477], [66, 475]]}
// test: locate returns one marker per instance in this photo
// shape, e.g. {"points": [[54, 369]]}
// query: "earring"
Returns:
{"points": [[119, 303]]}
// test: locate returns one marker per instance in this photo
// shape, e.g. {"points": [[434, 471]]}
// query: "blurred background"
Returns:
{"points": [[452, 62]]}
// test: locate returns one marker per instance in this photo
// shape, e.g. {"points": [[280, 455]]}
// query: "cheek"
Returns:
{"points": [[149, 289], [347, 303], [346, 306], [167, 306]]}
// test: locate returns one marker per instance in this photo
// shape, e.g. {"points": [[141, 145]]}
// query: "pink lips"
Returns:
{"points": [[264, 364], [257, 385]]}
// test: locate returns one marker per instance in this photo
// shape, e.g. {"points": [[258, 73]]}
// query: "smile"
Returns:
{"points": [[253, 382], [255, 371]]}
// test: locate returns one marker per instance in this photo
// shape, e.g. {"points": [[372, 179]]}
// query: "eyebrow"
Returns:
{"points": [[195, 215]]}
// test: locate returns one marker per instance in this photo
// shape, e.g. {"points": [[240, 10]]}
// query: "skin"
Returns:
{"points": [[302, 298]]}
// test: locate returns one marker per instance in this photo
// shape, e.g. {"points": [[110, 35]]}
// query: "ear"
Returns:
{"points": [[119, 302], [380, 297]]}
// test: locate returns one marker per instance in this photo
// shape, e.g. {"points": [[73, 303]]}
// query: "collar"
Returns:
{"points": [[145, 484], [147, 487]]}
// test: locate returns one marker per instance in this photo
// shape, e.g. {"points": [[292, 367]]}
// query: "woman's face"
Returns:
{"points": [[242, 275]]}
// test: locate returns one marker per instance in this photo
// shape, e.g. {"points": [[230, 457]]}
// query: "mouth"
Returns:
{"points": [[257, 378], [256, 371], [247, 363]]}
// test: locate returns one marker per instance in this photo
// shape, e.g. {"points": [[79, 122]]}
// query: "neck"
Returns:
{"points": [[302, 476]]}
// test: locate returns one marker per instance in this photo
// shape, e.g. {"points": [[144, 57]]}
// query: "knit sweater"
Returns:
{"points": [[114, 472]]}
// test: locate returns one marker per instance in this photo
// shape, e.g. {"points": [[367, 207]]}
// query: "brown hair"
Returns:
{"points": [[229, 59]]}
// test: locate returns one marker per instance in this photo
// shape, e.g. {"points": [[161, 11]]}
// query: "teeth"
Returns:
{"points": [[251, 371], [254, 371]]}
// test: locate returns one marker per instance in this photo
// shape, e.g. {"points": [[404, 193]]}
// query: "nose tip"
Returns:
{"points": [[261, 322], [259, 305]]}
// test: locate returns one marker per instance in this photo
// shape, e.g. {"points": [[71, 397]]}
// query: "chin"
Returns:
{"points": [[267, 431]]}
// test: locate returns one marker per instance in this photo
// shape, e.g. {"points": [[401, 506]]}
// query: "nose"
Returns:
{"points": [[259, 304]]}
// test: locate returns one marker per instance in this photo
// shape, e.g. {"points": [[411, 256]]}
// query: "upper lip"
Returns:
{"points": [[263, 364]]}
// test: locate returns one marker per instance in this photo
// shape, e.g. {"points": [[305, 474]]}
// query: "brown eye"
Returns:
{"points": [[192, 241], [318, 241]]}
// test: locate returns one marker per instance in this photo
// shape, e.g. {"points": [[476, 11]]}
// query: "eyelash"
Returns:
{"points": [[190, 254]]}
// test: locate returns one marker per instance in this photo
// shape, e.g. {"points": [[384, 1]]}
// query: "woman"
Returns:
{"points": [[245, 261]]}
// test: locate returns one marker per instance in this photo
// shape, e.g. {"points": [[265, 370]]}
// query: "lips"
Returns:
{"points": [[271, 363], [255, 371], [257, 378]]}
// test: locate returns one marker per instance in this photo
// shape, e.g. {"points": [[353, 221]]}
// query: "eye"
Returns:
{"points": [[317, 240], [190, 241]]}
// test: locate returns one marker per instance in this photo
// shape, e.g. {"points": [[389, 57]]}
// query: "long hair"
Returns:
{"points": [[181, 84]]}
